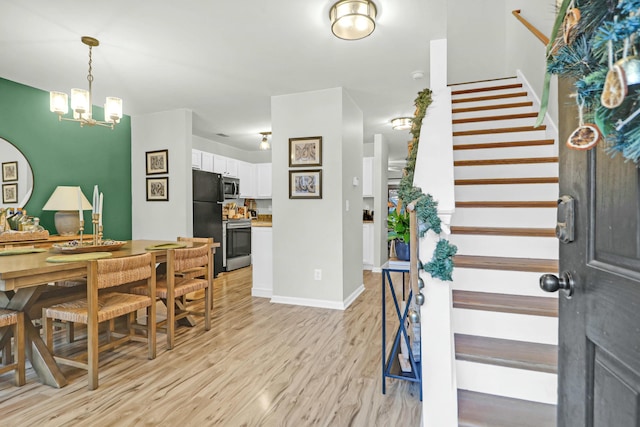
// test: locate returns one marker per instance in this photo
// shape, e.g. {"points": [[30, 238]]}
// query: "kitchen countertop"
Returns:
{"points": [[260, 223]]}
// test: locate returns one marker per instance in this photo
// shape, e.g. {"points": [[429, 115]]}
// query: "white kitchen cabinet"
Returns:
{"points": [[367, 246], [247, 179], [262, 261], [263, 180], [196, 159], [367, 177], [225, 166], [207, 161]]}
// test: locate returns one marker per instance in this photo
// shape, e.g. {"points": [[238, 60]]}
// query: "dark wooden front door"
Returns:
{"points": [[599, 338]]}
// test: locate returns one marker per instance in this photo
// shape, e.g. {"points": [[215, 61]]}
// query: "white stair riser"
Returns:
{"points": [[494, 92], [492, 124], [524, 283], [492, 112], [506, 192], [506, 246], [508, 326], [482, 103], [491, 83], [525, 170], [506, 152], [500, 137], [505, 217], [510, 382]]}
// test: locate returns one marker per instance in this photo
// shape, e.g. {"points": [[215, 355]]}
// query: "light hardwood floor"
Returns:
{"points": [[261, 364]]}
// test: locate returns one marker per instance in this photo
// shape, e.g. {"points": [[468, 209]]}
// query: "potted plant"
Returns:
{"points": [[398, 231]]}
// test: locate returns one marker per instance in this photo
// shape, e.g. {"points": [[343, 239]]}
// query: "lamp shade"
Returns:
{"points": [[65, 198]]}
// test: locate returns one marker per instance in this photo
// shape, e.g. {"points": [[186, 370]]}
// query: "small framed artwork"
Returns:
{"points": [[10, 193], [158, 189], [157, 162], [10, 171], [305, 184], [305, 151]]}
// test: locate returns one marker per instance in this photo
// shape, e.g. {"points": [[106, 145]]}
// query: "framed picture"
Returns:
{"points": [[305, 184], [10, 171], [305, 151], [157, 162], [10, 193], [158, 189]]}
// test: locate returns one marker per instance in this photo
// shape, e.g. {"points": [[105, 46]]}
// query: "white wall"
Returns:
{"points": [[381, 195], [309, 234], [476, 40], [162, 220]]}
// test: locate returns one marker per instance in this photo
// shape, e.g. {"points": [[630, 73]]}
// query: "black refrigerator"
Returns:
{"points": [[208, 196]]}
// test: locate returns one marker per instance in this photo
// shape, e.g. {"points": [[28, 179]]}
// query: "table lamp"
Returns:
{"points": [[64, 200]]}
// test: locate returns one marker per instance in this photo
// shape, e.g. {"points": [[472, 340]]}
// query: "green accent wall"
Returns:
{"points": [[63, 153]]}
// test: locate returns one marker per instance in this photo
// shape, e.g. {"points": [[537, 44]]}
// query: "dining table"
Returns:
{"points": [[24, 277]]}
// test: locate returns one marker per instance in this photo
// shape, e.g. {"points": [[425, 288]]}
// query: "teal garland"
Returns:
{"points": [[586, 58], [441, 264]]}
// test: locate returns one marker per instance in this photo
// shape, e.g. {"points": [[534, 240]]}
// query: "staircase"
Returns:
{"points": [[506, 328]]}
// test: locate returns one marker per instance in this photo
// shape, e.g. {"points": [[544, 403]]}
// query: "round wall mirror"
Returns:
{"points": [[17, 176]]}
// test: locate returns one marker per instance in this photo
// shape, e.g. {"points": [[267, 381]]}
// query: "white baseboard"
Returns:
{"points": [[261, 292], [376, 270], [310, 302], [536, 101]]}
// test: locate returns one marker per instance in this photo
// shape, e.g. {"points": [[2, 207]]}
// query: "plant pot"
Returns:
{"points": [[402, 251]]}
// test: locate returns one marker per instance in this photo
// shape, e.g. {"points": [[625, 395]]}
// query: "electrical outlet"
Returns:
{"points": [[317, 274]]}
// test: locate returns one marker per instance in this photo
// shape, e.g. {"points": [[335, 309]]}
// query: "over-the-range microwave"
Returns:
{"points": [[231, 188]]}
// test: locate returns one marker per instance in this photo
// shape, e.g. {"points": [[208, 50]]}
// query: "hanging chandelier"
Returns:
{"points": [[264, 144], [81, 101], [353, 19]]}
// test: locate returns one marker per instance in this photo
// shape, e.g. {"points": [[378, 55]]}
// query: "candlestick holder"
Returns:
{"points": [[99, 234], [95, 219], [81, 231]]}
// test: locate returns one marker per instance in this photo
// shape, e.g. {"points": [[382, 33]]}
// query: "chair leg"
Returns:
{"points": [[7, 357], [171, 321], [92, 346], [151, 329], [18, 335], [47, 328], [207, 308], [70, 332]]}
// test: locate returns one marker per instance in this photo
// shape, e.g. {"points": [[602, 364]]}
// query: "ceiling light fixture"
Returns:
{"points": [[264, 144], [353, 19], [81, 101], [402, 123]]}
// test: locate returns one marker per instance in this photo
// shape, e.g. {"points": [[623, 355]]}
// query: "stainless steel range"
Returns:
{"points": [[236, 249]]}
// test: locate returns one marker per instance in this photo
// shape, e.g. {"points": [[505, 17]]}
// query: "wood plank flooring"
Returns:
{"points": [[261, 364]]}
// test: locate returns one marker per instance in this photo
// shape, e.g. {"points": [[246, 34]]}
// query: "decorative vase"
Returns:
{"points": [[402, 251]]}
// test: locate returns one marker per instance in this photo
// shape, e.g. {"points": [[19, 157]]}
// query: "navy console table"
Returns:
{"points": [[390, 364]]}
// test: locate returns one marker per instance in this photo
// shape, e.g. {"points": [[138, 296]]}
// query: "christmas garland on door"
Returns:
{"points": [[596, 42], [441, 264]]}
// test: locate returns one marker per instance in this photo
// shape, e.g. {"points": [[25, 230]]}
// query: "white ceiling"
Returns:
{"points": [[221, 59]]}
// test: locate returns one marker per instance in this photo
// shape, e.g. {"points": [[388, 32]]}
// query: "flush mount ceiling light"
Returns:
{"points": [[264, 144], [401, 123], [81, 101], [353, 19]]}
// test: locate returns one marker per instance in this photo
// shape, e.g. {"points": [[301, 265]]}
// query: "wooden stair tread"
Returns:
{"points": [[508, 353], [481, 81], [516, 161], [495, 118], [504, 303], [490, 97], [539, 265], [492, 107], [504, 231], [504, 181], [499, 130], [486, 410], [507, 144], [486, 89], [517, 204]]}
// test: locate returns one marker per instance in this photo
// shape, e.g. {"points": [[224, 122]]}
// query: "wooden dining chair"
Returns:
{"points": [[15, 319], [188, 270], [102, 305]]}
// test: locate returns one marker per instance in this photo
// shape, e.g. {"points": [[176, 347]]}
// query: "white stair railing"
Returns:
{"points": [[434, 174]]}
